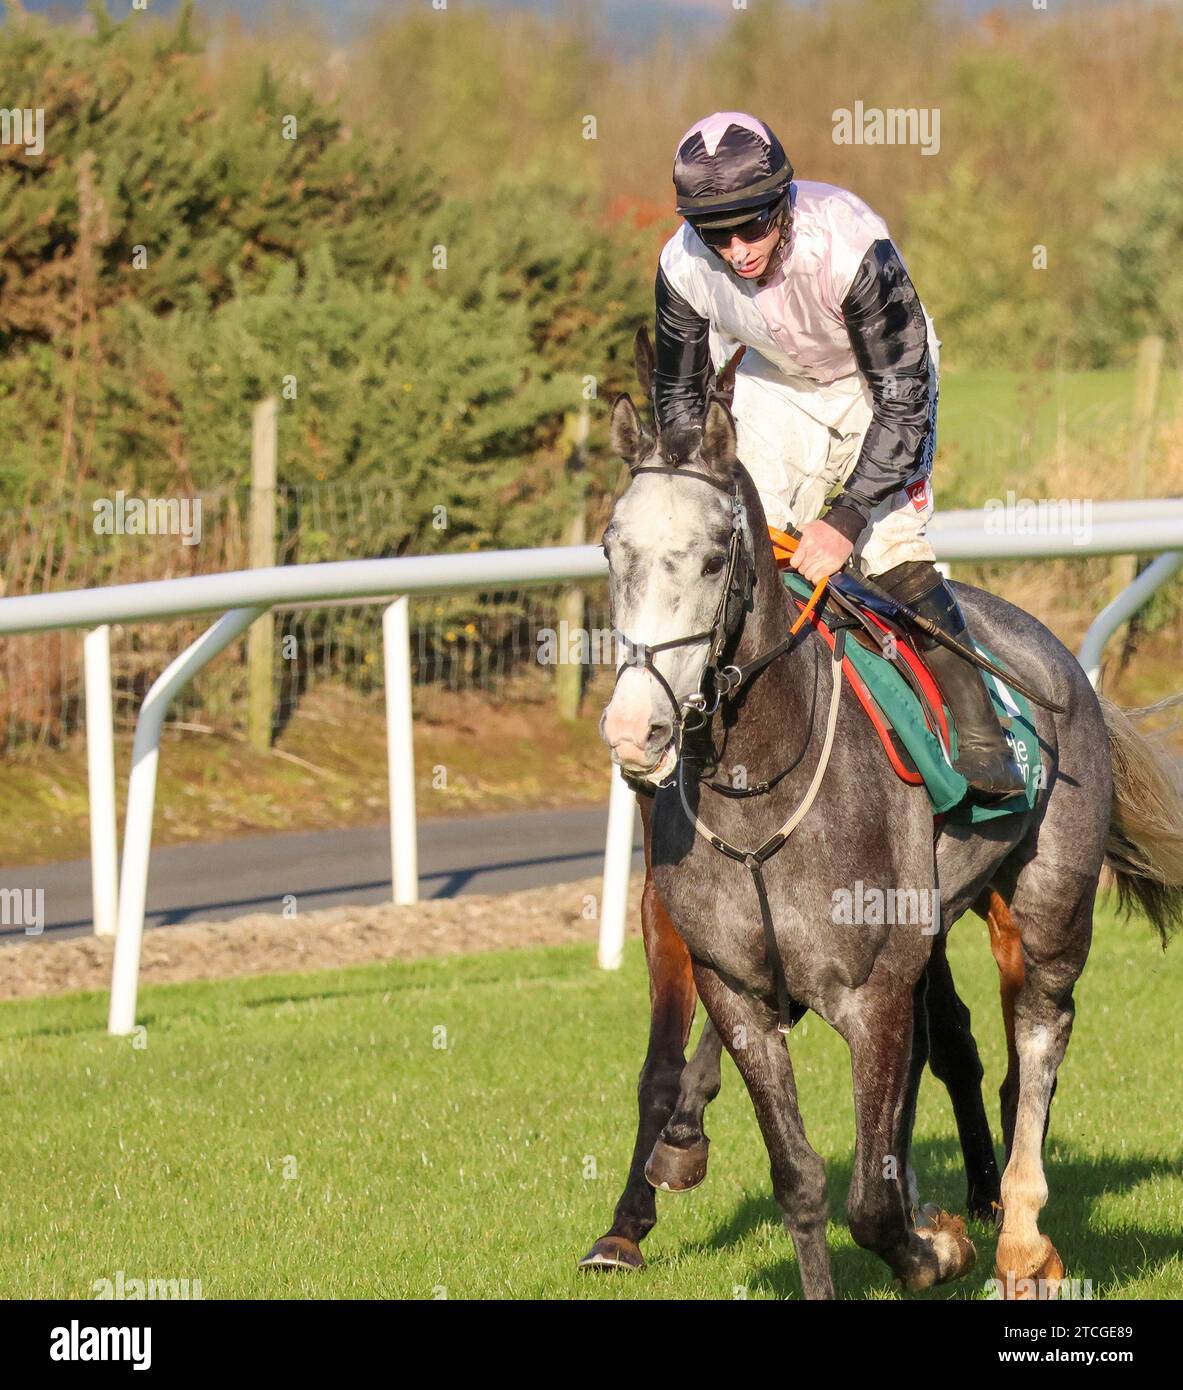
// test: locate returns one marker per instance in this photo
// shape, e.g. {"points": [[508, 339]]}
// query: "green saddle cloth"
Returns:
{"points": [[947, 788]]}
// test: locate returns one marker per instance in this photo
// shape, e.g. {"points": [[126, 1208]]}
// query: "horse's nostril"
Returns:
{"points": [[660, 733]]}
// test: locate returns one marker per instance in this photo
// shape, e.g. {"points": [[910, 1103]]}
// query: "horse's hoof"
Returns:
{"points": [[671, 1169], [613, 1252], [953, 1249], [1028, 1274]]}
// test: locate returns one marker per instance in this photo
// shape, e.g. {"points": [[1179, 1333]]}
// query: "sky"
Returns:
{"points": [[639, 20]]}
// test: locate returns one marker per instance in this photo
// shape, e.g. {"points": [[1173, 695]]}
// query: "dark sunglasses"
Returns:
{"points": [[756, 229]]}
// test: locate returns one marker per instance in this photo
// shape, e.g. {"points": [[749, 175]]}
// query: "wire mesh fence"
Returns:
{"points": [[487, 642]]}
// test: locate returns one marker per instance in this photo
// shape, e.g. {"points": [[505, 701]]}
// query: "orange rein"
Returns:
{"points": [[783, 547]]}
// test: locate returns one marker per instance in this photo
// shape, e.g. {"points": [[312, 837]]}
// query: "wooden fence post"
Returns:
{"points": [[261, 639], [1146, 388]]}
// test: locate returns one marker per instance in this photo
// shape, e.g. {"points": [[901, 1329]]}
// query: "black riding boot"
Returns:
{"points": [[984, 755]]}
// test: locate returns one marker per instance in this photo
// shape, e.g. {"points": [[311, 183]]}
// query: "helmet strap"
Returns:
{"points": [[785, 222]]}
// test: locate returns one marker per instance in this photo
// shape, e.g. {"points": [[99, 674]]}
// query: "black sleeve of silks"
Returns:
{"points": [[683, 356], [885, 321]]}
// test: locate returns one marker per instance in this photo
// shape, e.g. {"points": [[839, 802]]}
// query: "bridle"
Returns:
{"points": [[724, 680]]}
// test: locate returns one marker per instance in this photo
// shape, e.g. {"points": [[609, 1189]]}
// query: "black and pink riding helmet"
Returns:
{"points": [[729, 168]]}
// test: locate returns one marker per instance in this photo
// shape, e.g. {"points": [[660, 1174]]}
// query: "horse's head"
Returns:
{"points": [[679, 558]]}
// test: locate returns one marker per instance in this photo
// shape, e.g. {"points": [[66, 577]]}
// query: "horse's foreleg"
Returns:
{"points": [[672, 998], [758, 1049], [917, 1062], [679, 1158], [941, 1039]]}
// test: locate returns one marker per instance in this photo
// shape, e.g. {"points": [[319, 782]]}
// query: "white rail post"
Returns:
{"points": [[141, 800], [400, 751], [1122, 609], [100, 769], [618, 860]]}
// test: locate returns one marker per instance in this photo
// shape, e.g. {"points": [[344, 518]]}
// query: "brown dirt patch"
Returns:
{"points": [[261, 943]]}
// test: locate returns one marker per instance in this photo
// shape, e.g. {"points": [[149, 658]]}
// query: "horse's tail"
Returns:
{"points": [[1144, 848]]}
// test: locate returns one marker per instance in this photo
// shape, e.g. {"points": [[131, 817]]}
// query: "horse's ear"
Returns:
{"points": [[644, 358], [725, 381], [718, 439], [626, 431]]}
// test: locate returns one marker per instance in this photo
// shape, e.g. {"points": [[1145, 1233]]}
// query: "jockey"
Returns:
{"points": [[836, 397]]}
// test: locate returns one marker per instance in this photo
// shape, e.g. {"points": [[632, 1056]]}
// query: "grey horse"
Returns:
{"points": [[672, 545]]}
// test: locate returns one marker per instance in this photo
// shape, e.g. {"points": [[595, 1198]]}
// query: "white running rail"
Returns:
{"points": [[1152, 527]]}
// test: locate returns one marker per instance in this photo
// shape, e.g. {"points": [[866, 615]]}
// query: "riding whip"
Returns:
{"points": [[851, 579]]}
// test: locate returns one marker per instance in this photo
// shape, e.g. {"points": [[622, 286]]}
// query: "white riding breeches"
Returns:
{"points": [[800, 442]]}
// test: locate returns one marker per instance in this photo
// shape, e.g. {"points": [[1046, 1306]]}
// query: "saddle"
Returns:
{"points": [[885, 670]]}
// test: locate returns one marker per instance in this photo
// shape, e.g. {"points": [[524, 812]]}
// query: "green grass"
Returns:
{"points": [[998, 429], [488, 1168]]}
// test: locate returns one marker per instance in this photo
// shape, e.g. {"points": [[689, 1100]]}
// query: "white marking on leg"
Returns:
{"points": [[1024, 1186]]}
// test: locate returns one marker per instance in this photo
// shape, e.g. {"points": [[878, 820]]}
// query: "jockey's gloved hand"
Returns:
{"points": [[821, 551]]}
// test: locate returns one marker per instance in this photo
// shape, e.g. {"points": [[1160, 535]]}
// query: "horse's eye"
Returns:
{"points": [[714, 564]]}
